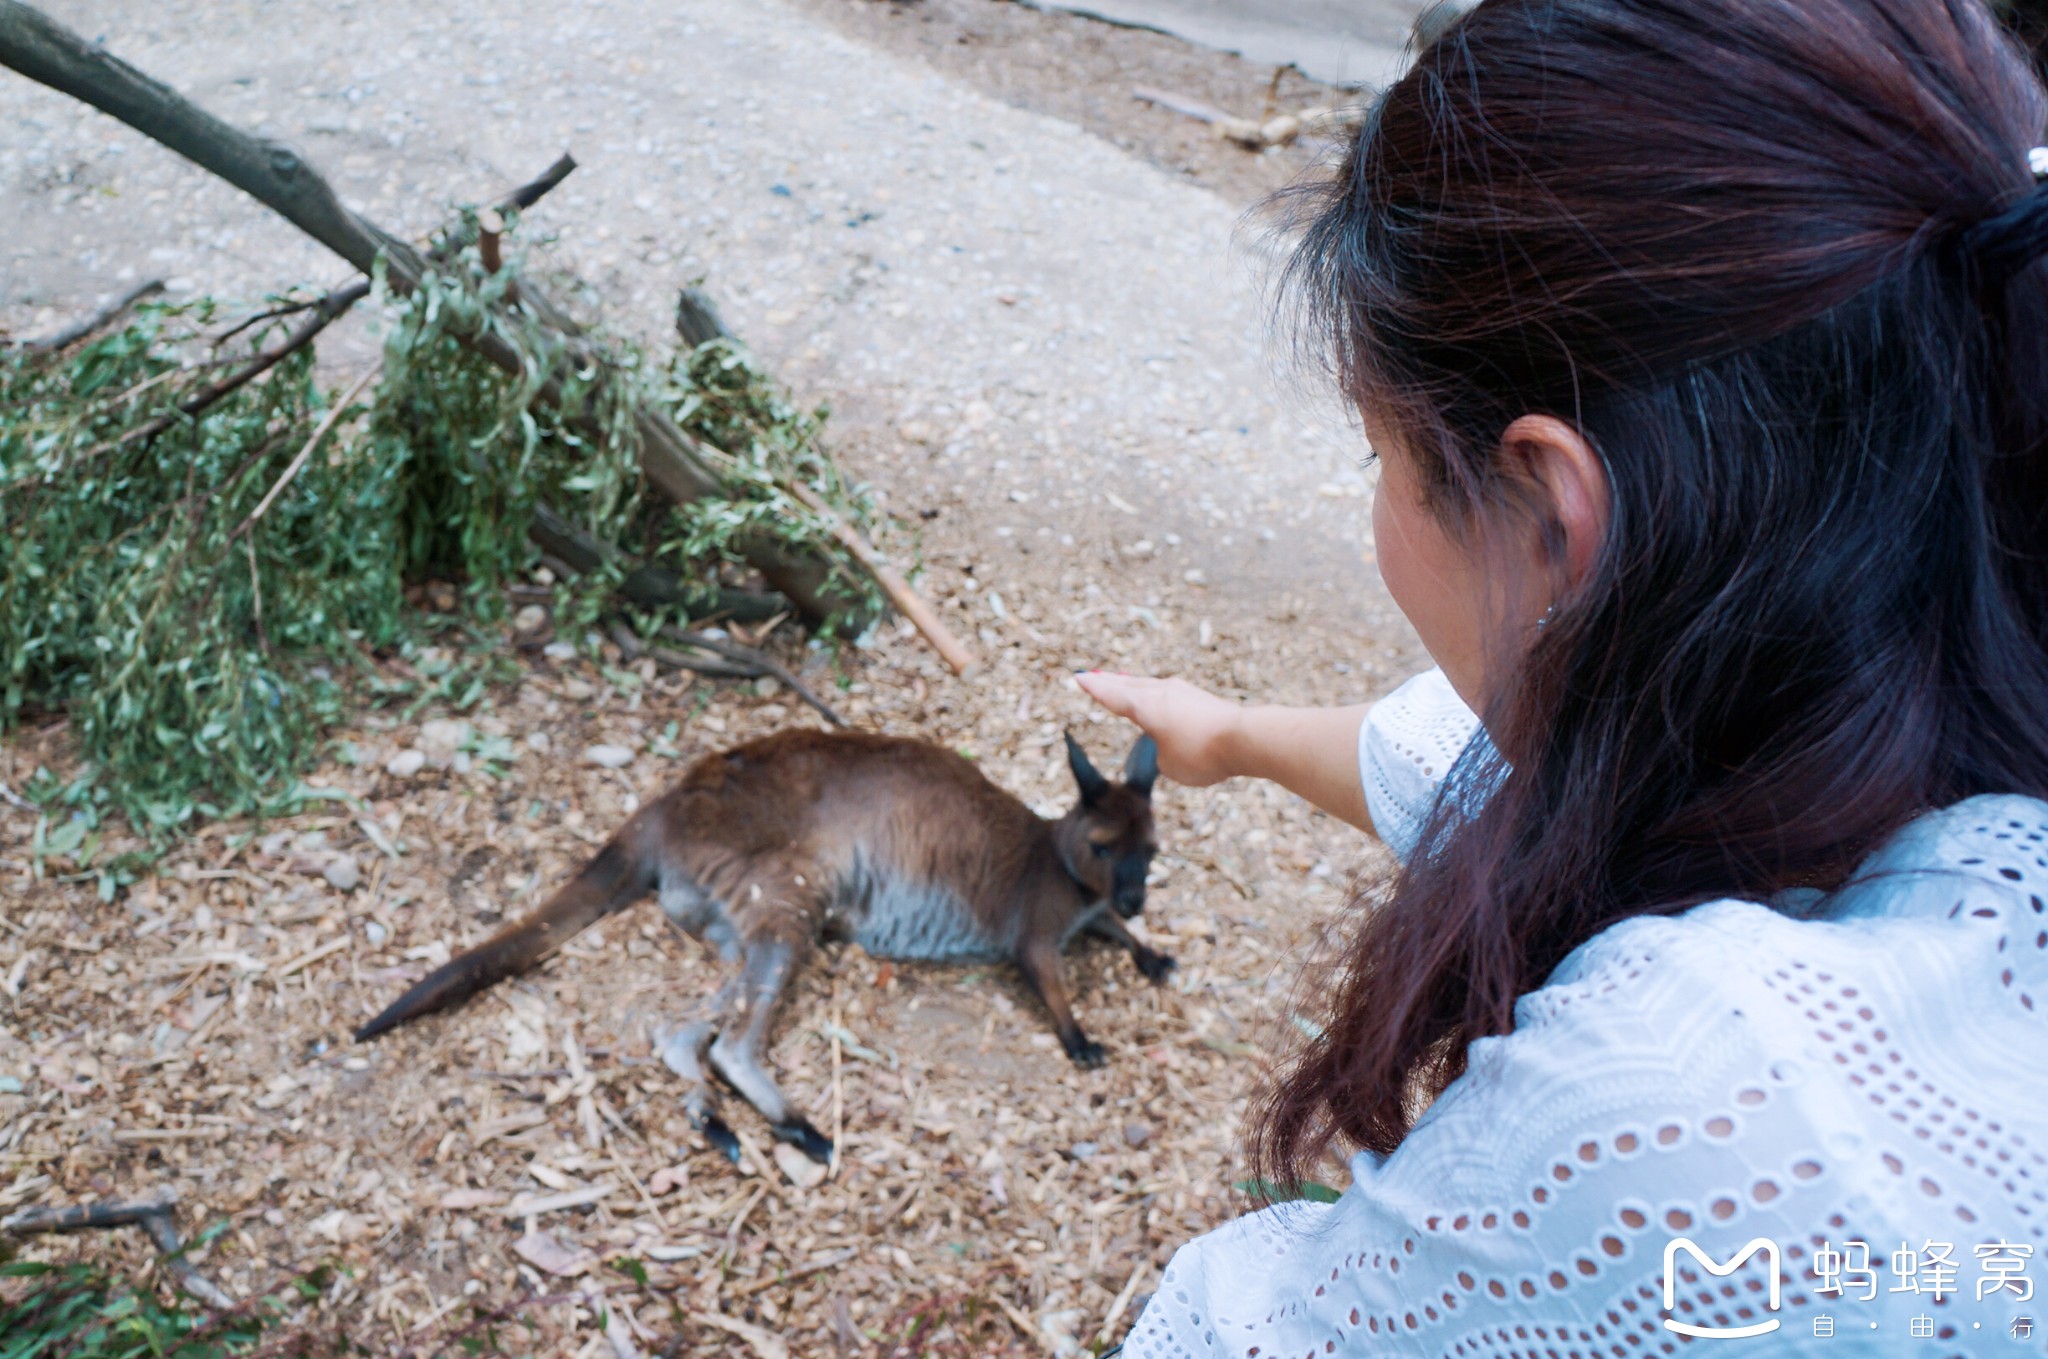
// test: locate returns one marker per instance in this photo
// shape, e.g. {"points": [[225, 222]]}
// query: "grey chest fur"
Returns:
{"points": [[892, 917]]}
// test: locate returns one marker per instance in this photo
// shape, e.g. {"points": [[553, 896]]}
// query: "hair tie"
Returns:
{"points": [[2001, 246]]}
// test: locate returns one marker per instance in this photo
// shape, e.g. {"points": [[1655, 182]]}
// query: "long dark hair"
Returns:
{"points": [[1731, 242]]}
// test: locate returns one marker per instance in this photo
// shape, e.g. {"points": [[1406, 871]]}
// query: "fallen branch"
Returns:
{"points": [[1277, 129], [153, 1215], [99, 320], [276, 176], [634, 649], [747, 655], [737, 662], [645, 585], [325, 312], [1174, 103], [697, 321], [907, 601]]}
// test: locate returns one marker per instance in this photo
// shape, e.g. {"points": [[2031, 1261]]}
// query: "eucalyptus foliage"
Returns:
{"points": [[183, 655], [201, 653]]}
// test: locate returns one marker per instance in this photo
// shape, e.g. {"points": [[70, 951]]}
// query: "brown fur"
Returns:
{"points": [[899, 845]]}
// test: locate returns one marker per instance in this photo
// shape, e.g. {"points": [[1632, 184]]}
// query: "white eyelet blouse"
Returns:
{"points": [[1864, 1088]]}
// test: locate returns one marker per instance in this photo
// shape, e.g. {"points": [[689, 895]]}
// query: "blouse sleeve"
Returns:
{"points": [[1406, 746]]}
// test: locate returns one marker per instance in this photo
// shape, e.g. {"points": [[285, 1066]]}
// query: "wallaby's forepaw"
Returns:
{"points": [[799, 1133], [1153, 964], [719, 1136], [1086, 1052]]}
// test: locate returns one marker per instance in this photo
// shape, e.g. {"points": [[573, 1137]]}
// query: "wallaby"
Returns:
{"points": [[898, 845]]}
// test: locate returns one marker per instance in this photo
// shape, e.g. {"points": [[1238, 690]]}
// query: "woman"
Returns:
{"points": [[1705, 346]]}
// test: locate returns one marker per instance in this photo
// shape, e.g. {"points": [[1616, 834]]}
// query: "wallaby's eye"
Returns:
{"points": [[1101, 851]]}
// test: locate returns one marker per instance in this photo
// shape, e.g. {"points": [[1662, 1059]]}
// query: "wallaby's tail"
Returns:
{"points": [[621, 873]]}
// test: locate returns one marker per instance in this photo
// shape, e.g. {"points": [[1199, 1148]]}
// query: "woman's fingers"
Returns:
{"points": [[1111, 691], [1189, 724]]}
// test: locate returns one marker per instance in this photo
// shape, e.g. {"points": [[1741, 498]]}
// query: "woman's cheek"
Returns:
{"points": [[1420, 568]]}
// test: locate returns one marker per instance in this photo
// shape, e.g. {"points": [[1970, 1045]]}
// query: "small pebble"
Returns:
{"points": [[559, 651], [577, 690], [532, 618], [538, 740], [766, 686], [406, 763], [342, 873], [1137, 1134], [1081, 1151], [374, 931], [444, 736], [608, 757]]}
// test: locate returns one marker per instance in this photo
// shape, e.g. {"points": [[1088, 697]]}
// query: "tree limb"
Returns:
{"points": [[908, 601], [78, 330], [646, 585], [153, 1215], [739, 662], [733, 651], [276, 176], [325, 312]]}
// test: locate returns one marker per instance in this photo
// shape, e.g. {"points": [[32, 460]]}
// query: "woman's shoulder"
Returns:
{"points": [[1406, 747], [1730, 1072], [1979, 860], [1938, 947]]}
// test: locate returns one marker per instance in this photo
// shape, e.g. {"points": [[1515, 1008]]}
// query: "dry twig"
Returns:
{"points": [[153, 1215], [907, 601], [292, 469], [746, 655]]}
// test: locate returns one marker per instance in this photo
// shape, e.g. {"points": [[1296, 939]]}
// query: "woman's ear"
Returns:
{"points": [[1575, 501]]}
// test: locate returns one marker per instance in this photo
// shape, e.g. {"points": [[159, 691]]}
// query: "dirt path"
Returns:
{"points": [[1042, 346]]}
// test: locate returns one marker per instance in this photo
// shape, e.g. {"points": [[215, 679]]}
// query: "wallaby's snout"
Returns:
{"points": [[1129, 897]]}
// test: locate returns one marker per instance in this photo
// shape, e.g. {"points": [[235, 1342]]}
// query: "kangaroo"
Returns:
{"points": [[897, 845]]}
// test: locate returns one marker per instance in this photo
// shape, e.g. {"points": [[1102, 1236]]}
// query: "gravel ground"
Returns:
{"points": [[1045, 349]]}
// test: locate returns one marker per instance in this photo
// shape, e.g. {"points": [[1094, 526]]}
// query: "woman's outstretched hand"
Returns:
{"points": [[1204, 739], [1194, 728]]}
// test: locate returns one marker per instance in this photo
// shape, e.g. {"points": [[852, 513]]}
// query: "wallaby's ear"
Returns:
{"points": [[1093, 785], [1142, 768]]}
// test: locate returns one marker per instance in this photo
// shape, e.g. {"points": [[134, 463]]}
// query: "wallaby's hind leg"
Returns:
{"points": [[683, 1051], [774, 950]]}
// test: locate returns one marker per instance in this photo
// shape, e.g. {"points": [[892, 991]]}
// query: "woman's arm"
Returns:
{"points": [[1203, 739]]}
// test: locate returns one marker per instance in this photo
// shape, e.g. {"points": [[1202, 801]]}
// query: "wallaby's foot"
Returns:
{"points": [[722, 1138], [1153, 964], [799, 1133], [1086, 1052]]}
